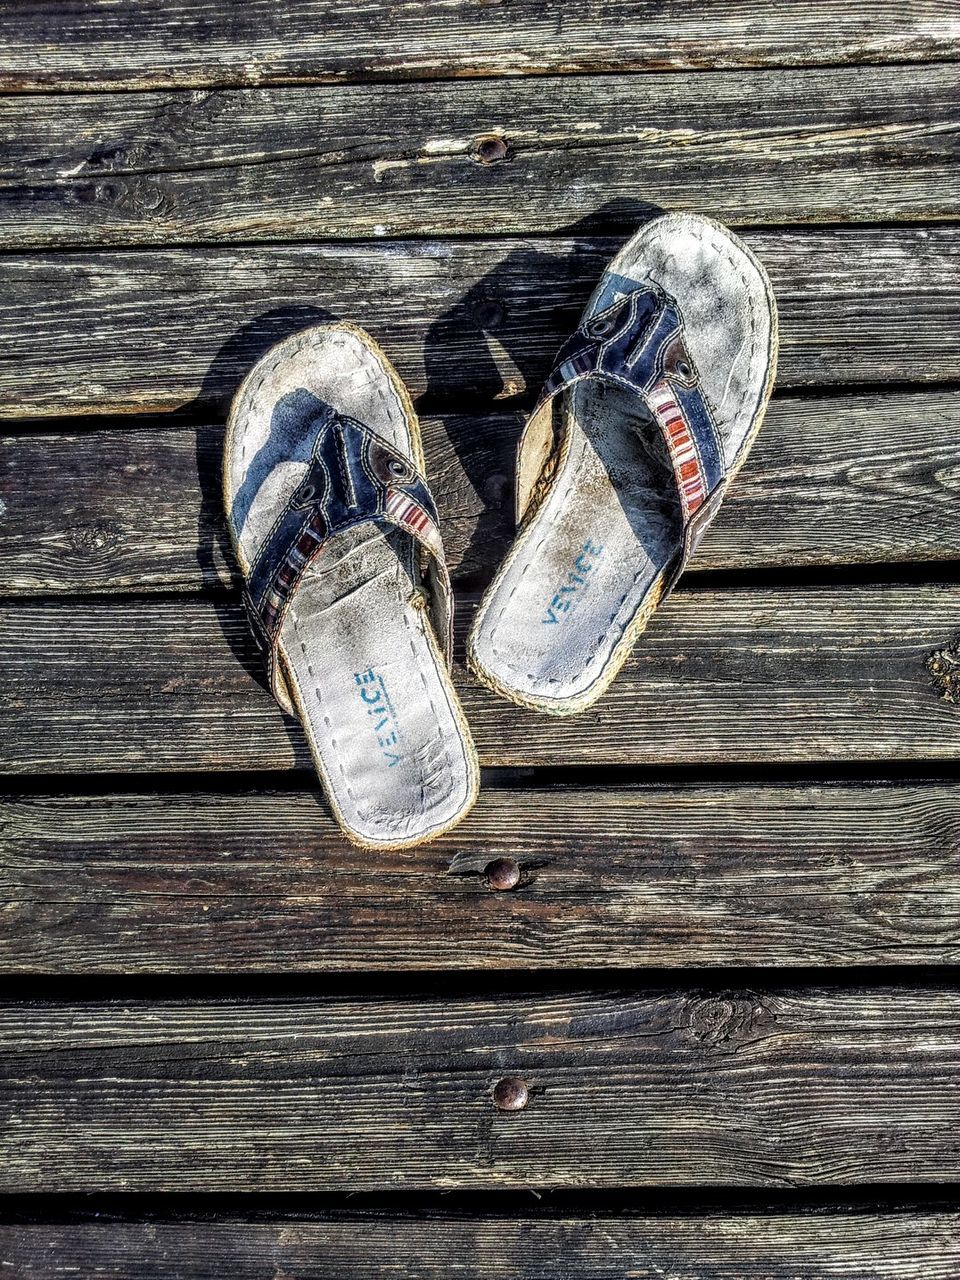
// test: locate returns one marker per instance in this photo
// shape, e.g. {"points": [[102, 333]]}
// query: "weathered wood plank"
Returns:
{"points": [[855, 145], [141, 331], [834, 480], [50, 44], [610, 878], [909, 1244], [748, 1088], [738, 675]]}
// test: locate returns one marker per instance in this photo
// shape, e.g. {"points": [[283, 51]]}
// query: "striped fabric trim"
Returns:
{"points": [[691, 480], [409, 515], [574, 366], [307, 545], [400, 508]]}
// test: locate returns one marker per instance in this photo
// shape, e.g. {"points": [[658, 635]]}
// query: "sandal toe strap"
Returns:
{"points": [[634, 338], [354, 477]]}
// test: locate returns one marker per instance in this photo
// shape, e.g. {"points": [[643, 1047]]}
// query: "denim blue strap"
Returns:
{"points": [[633, 337]]}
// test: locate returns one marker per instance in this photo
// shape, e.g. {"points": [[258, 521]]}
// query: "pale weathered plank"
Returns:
{"points": [[849, 479], [898, 1244], [825, 674], [610, 878], [853, 144], [51, 44], [140, 331], [781, 1086]]}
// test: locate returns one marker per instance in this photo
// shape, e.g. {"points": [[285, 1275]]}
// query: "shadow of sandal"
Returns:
{"points": [[501, 337]]}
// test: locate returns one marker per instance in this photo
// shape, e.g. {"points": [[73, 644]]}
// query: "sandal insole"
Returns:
{"points": [[608, 529], [371, 692]]}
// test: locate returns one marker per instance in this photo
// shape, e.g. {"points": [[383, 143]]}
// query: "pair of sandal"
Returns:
{"points": [[649, 412]]}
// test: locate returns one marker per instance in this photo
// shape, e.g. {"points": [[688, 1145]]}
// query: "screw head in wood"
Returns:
{"points": [[510, 1094], [489, 313], [503, 873], [490, 149]]}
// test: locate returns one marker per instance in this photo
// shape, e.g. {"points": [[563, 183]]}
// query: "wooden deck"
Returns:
{"points": [[230, 1043]]}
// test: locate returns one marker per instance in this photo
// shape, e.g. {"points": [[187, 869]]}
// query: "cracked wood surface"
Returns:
{"points": [[139, 331], [850, 479], [50, 44], [846, 144], [788, 1086], [822, 1244], [611, 877], [807, 674]]}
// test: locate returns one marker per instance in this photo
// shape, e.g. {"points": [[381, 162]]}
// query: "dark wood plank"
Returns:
{"points": [[909, 1244], [854, 145], [610, 878], [792, 1086], [839, 673], [142, 331], [53, 44], [852, 479]]}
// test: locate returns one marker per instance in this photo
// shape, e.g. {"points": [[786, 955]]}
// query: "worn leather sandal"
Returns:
{"points": [[336, 534], [647, 416]]}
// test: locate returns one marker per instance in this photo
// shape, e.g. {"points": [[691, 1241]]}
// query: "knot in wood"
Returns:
{"points": [[147, 196], [944, 667], [725, 1020], [94, 539]]}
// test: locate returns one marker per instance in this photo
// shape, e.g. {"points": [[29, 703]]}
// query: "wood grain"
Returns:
{"points": [[840, 480], [142, 331], [848, 144], [611, 877], [51, 44], [822, 674], [162, 204], [777, 1087], [908, 1244]]}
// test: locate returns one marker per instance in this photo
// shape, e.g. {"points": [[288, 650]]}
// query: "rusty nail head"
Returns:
{"points": [[510, 1094], [503, 873], [490, 149]]}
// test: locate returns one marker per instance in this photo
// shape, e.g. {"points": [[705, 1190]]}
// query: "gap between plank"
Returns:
{"points": [[425, 986], [252, 1207], [571, 778]]}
